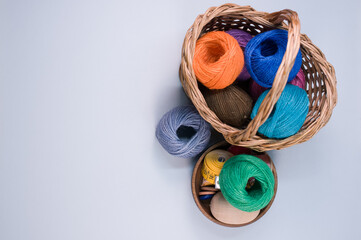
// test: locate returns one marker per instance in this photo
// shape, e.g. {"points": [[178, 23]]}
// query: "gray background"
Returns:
{"points": [[82, 87]]}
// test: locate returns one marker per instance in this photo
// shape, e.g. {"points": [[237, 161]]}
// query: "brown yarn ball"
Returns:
{"points": [[232, 105]]}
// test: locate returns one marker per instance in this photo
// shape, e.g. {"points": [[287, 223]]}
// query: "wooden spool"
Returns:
{"points": [[197, 179]]}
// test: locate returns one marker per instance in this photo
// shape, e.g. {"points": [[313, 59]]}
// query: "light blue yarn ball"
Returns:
{"points": [[288, 114], [263, 56], [183, 132]]}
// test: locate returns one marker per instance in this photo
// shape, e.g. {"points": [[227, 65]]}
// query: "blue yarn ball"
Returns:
{"points": [[263, 56], [183, 132], [288, 114]]}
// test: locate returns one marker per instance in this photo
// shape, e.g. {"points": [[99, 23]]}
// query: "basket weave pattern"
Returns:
{"points": [[320, 75]]}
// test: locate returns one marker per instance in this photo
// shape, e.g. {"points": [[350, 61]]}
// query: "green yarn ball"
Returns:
{"points": [[233, 181]]}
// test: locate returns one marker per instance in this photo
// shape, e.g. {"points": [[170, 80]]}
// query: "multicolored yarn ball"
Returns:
{"points": [[288, 115], [183, 132], [242, 38], [235, 176], [256, 90], [224, 212], [263, 56], [218, 60], [232, 105]]}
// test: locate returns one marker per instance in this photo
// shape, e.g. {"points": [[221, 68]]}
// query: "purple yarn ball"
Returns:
{"points": [[256, 90], [242, 38], [299, 80]]}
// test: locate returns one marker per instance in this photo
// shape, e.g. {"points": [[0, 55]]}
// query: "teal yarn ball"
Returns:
{"points": [[288, 114], [233, 181]]}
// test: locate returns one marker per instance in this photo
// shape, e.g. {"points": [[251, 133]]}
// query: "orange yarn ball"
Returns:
{"points": [[218, 60]]}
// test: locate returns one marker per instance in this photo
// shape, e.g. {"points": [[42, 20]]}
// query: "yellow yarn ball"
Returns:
{"points": [[213, 163]]}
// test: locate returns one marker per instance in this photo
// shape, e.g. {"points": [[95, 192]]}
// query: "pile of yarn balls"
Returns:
{"points": [[236, 71], [246, 184]]}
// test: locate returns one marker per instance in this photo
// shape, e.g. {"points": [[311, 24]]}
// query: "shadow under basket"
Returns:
{"points": [[204, 205], [319, 73]]}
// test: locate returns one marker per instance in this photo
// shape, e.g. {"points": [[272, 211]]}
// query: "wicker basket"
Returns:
{"points": [[320, 75], [204, 204]]}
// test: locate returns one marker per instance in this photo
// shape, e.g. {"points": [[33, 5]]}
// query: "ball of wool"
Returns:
{"points": [[183, 132], [256, 90], [224, 212], [213, 163], [299, 80], [236, 150], [234, 178], [242, 38], [218, 60], [263, 56], [232, 105], [288, 114]]}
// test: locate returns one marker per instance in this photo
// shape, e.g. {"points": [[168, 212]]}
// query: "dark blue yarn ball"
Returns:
{"points": [[263, 56]]}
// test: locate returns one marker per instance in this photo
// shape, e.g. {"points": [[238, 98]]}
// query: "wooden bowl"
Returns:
{"points": [[197, 179]]}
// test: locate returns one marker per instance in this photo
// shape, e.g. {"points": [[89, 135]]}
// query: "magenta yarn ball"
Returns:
{"points": [[256, 90], [299, 80], [242, 38]]}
